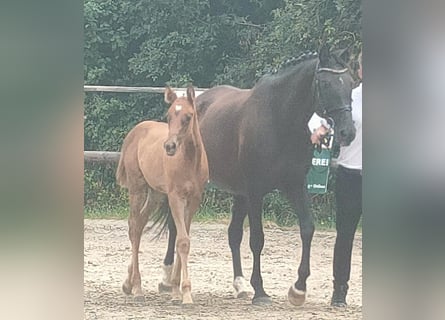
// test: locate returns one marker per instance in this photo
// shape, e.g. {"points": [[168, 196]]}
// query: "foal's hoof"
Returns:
{"points": [[126, 288], [140, 300], [241, 295], [164, 288], [296, 297], [187, 304], [262, 301]]}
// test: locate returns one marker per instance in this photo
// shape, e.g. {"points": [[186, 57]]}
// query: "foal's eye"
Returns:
{"points": [[187, 118]]}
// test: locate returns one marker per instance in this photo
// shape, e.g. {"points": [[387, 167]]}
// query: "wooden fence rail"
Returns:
{"points": [[101, 156], [88, 88]]}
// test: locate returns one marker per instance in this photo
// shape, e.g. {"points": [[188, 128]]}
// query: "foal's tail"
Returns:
{"points": [[161, 220], [121, 173]]}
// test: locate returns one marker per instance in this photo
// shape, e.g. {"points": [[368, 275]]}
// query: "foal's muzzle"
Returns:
{"points": [[170, 147]]}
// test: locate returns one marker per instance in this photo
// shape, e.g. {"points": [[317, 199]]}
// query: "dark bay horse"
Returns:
{"points": [[162, 164], [258, 140]]}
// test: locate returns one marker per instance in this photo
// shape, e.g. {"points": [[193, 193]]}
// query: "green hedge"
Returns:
{"points": [[104, 199]]}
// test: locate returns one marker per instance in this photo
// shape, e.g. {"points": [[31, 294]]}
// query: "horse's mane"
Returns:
{"points": [[289, 62]]}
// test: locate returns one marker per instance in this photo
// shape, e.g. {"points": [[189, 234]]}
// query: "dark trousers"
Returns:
{"points": [[348, 194]]}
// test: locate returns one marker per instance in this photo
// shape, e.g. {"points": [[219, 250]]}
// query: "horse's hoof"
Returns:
{"points": [[241, 287], [296, 297], [176, 301], [262, 301], [164, 288], [126, 288], [339, 304], [339, 295]]}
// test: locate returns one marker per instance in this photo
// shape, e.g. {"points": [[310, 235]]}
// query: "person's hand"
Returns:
{"points": [[318, 134]]}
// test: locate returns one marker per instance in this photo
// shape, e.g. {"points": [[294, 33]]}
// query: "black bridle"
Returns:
{"points": [[327, 114]]}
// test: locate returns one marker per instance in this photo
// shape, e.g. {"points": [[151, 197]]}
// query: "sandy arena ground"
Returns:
{"points": [[107, 254]]}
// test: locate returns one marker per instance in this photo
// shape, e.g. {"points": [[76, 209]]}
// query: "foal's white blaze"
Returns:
{"points": [[178, 107], [341, 80]]}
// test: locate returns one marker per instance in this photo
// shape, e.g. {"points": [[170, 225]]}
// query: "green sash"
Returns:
{"points": [[317, 177]]}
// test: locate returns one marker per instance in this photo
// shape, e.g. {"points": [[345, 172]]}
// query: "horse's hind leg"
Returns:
{"points": [[136, 222], [166, 285], [256, 245], [297, 292], [239, 212]]}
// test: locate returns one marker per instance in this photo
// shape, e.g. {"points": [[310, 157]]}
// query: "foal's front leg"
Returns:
{"points": [[181, 215]]}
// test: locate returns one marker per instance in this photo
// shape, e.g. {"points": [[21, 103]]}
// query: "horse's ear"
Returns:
{"points": [[343, 54], [169, 95], [323, 54], [191, 95]]}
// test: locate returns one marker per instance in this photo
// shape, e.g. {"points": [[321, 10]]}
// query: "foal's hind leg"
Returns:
{"points": [[136, 222]]}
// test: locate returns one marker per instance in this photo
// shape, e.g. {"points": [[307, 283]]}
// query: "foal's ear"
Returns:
{"points": [[191, 95], [169, 95]]}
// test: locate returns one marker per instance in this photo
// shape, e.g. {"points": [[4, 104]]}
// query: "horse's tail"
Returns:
{"points": [[161, 220]]}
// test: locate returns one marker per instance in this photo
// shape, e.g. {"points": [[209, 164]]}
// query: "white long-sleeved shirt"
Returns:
{"points": [[351, 156]]}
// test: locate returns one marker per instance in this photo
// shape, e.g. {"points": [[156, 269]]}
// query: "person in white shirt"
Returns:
{"points": [[348, 195]]}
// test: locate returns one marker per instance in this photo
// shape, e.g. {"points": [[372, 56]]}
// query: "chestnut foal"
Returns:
{"points": [[164, 164]]}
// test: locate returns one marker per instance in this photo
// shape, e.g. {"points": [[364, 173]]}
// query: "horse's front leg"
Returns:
{"points": [[256, 245], [239, 213], [299, 197]]}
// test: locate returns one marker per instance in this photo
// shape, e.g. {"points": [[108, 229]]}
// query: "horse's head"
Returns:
{"points": [[179, 117], [334, 85]]}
